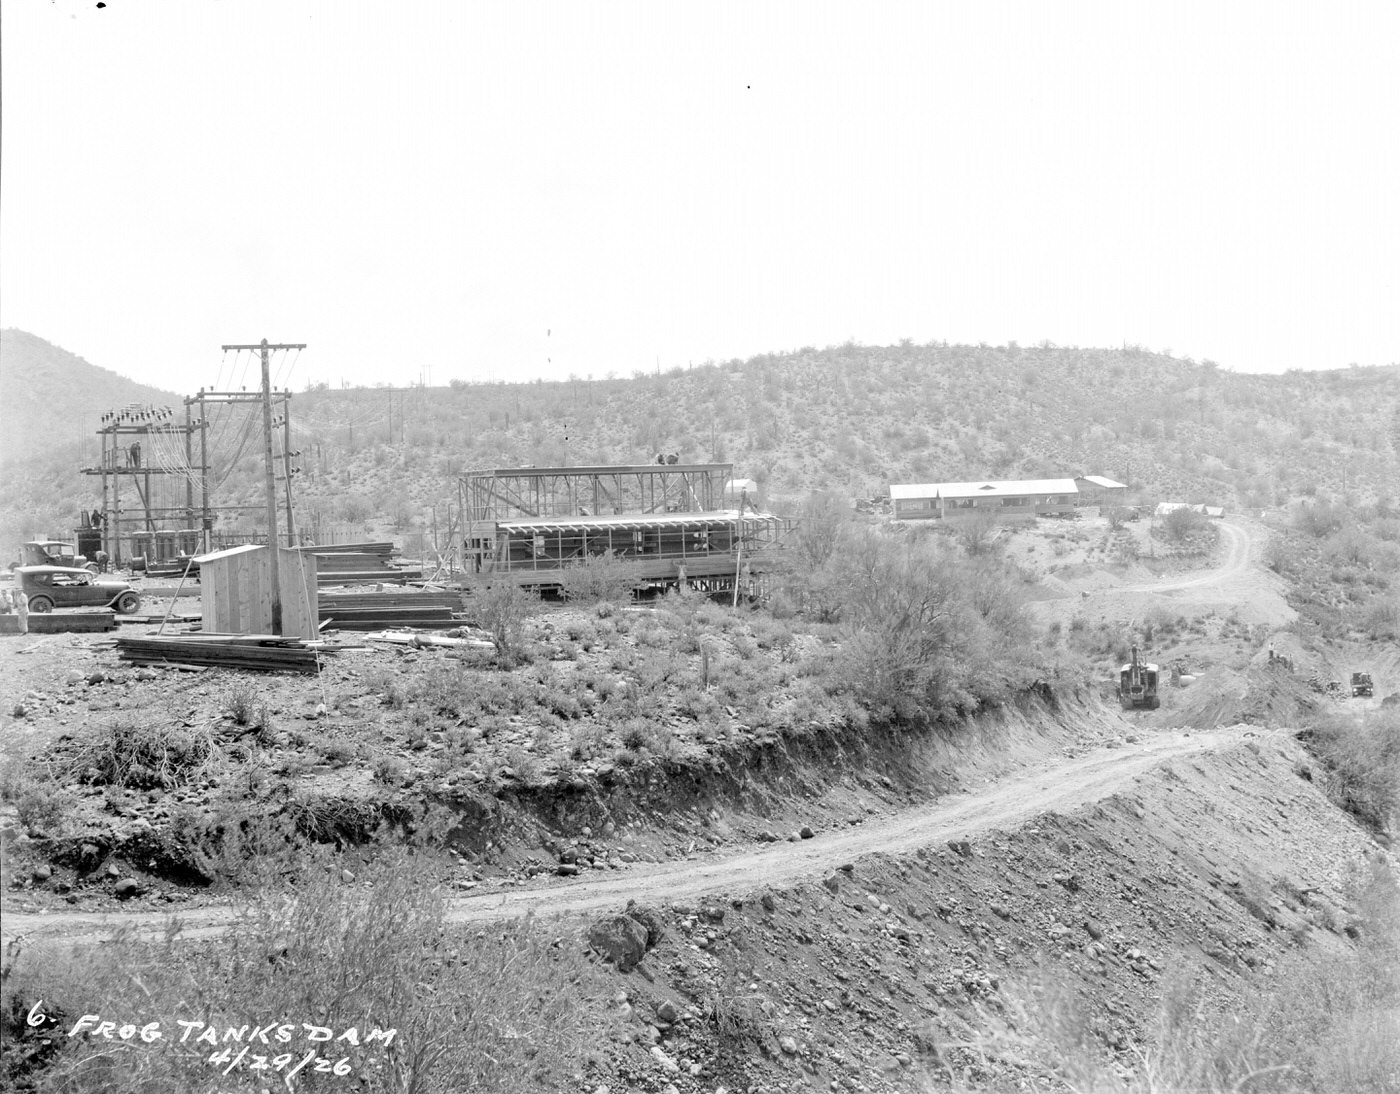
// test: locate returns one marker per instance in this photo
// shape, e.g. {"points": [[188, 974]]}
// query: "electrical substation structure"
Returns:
{"points": [[160, 473]]}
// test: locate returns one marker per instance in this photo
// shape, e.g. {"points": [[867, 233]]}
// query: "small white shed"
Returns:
{"points": [[236, 591]]}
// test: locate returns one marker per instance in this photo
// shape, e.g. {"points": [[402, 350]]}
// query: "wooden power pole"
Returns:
{"points": [[265, 350]]}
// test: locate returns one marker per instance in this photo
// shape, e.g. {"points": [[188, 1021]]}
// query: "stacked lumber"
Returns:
{"points": [[358, 564], [376, 611], [377, 619], [258, 652], [390, 598]]}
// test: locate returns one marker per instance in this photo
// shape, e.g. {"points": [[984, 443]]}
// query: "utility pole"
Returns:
{"points": [[206, 531], [287, 466], [265, 350]]}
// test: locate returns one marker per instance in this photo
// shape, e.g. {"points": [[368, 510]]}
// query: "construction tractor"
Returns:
{"points": [[1361, 687], [1137, 684]]}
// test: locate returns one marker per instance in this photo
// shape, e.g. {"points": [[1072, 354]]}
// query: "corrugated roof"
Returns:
{"points": [[631, 521], [987, 488], [1099, 480]]}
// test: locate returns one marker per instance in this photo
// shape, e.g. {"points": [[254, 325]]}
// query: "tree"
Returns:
{"points": [[1181, 524], [820, 520]]}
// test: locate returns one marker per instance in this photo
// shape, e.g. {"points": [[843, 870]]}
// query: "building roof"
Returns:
{"points": [[1011, 488], [1099, 480], [241, 549], [601, 469], [632, 521]]}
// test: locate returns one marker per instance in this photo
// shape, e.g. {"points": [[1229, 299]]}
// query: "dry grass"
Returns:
{"points": [[1324, 1023], [144, 756], [509, 1009]]}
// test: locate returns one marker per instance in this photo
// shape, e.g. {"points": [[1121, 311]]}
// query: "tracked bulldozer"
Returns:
{"points": [[1137, 684]]}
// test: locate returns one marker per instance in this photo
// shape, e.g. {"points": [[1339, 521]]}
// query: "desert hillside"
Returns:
{"points": [[849, 419]]}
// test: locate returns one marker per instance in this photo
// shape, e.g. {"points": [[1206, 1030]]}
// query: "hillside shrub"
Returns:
{"points": [[42, 804], [1363, 764], [929, 634], [1182, 524], [1381, 617], [599, 578], [501, 608]]}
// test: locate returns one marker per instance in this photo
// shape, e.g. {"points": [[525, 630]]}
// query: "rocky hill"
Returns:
{"points": [[853, 419], [850, 419], [51, 402]]}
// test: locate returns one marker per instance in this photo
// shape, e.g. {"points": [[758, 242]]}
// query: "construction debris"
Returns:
{"points": [[400, 638], [258, 652]]}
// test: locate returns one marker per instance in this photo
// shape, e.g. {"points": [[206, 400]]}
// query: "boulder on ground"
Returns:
{"points": [[649, 918], [619, 939]]}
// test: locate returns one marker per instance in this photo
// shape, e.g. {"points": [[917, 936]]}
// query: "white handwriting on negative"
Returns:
{"points": [[208, 1033]]}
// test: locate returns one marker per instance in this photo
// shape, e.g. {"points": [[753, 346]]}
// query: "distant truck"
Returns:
{"points": [[1361, 687], [54, 552], [1137, 684]]}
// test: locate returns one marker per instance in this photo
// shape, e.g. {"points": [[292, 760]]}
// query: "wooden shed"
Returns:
{"points": [[236, 591]]}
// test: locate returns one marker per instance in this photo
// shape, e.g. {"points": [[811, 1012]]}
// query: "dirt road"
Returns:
{"points": [[1238, 552], [1060, 785], [1236, 582]]}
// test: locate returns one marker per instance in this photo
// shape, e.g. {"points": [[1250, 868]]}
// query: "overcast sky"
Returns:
{"points": [[504, 191]]}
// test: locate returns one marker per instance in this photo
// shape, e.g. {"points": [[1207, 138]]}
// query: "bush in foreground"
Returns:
{"points": [[505, 1008]]}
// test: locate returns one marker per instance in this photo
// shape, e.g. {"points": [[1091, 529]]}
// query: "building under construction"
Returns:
{"points": [[676, 523]]}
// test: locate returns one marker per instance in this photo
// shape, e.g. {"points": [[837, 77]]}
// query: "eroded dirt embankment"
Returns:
{"points": [[769, 813], [1203, 871]]}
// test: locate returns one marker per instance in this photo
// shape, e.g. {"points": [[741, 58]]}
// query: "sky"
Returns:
{"points": [[425, 191]]}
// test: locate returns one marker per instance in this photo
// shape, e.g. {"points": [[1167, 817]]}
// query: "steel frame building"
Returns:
{"points": [[531, 523]]}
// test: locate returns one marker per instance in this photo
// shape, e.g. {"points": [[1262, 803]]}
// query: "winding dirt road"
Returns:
{"points": [[1238, 543], [1060, 785]]}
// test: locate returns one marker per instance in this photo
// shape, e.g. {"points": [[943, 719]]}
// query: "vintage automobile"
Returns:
{"points": [[53, 552], [50, 587]]}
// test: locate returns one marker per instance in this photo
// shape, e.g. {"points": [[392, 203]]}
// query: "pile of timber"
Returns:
{"points": [[260, 652], [379, 610], [359, 564]]}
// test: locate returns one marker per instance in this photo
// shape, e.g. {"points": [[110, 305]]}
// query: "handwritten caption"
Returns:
{"points": [[246, 1039]]}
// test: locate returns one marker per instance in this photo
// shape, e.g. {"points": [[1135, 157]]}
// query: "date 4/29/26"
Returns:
{"points": [[254, 1062]]}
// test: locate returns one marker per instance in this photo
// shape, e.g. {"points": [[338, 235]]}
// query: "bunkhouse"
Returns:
{"points": [[1097, 490], [1015, 499], [676, 523]]}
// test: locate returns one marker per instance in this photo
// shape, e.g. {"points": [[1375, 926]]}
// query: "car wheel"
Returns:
{"points": [[127, 603], [40, 604], [90, 567]]}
